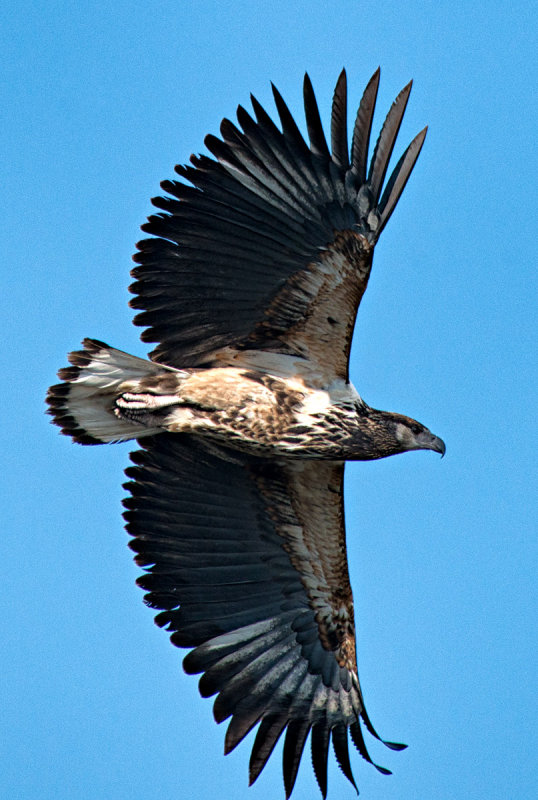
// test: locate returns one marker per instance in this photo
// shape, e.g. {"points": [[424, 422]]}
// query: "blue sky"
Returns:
{"points": [[100, 101]]}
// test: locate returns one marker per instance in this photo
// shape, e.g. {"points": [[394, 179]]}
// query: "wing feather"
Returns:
{"points": [[286, 175], [270, 241], [318, 143], [321, 734], [385, 143], [291, 158], [268, 734], [272, 691], [363, 128], [294, 743], [251, 572], [232, 663], [289, 128], [341, 751], [339, 145], [399, 177]]}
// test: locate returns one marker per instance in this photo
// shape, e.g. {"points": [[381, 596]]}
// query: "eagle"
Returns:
{"points": [[245, 416]]}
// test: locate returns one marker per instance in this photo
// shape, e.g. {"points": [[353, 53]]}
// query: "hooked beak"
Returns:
{"points": [[438, 445], [427, 441]]}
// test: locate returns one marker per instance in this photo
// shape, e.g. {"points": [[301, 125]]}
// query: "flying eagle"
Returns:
{"points": [[246, 416]]}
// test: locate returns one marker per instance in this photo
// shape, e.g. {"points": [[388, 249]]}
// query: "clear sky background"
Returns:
{"points": [[99, 101]]}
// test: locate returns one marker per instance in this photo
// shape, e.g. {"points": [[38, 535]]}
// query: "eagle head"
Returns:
{"points": [[389, 433], [409, 434]]}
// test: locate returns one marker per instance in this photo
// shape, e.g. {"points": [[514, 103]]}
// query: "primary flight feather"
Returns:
{"points": [[245, 414]]}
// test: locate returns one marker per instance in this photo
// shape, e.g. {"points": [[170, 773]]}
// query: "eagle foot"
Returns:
{"points": [[142, 408]]}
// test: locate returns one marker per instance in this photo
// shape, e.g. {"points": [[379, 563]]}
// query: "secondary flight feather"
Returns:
{"points": [[249, 286]]}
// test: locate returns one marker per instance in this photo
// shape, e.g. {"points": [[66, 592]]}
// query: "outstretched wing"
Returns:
{"points": [[270, 248], [247, 563]]}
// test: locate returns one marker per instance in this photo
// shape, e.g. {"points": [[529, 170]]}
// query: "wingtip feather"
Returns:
{"points": [[294, 742], [318, 143], [385, 143], [363, 128], [320, 739], [398, 180], [339, 145], [341, 751]]}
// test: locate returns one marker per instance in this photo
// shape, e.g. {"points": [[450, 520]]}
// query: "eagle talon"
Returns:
{"points": [[128, 401]]}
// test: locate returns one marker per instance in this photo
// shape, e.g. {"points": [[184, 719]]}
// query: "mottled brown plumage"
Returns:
{"points": [[245, 415]]}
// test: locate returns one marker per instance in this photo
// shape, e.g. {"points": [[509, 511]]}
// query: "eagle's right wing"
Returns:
{"points": [[247, 563]]}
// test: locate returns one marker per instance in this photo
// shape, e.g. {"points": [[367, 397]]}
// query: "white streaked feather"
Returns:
{"points": [[93, 413], [92, 394]]}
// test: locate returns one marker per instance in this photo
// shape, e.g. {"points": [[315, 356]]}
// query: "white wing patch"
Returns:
{"points": [[318, 402]]}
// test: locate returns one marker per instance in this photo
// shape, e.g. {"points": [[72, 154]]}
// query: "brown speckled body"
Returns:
{"points": [[254, 412]]}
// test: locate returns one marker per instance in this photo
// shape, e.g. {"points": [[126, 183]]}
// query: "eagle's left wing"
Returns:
{"points": [[270, 248], [246, 560]]}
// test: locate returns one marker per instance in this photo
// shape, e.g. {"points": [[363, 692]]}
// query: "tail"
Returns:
{"points": [[83, 405]]}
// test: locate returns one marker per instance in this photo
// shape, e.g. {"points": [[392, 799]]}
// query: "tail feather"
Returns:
{"points": [[83, 405]]}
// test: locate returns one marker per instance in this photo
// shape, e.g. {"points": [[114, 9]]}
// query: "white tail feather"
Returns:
{"points": [[83, 406]]}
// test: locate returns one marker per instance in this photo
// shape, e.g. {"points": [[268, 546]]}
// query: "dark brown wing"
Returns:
{"points": [[271, 246], [247, 562]]}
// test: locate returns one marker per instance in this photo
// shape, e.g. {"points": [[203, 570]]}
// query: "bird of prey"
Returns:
{"points": [[245, 416]]}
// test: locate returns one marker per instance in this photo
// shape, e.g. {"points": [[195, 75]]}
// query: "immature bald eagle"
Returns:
{"points": [[246, 416]]}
